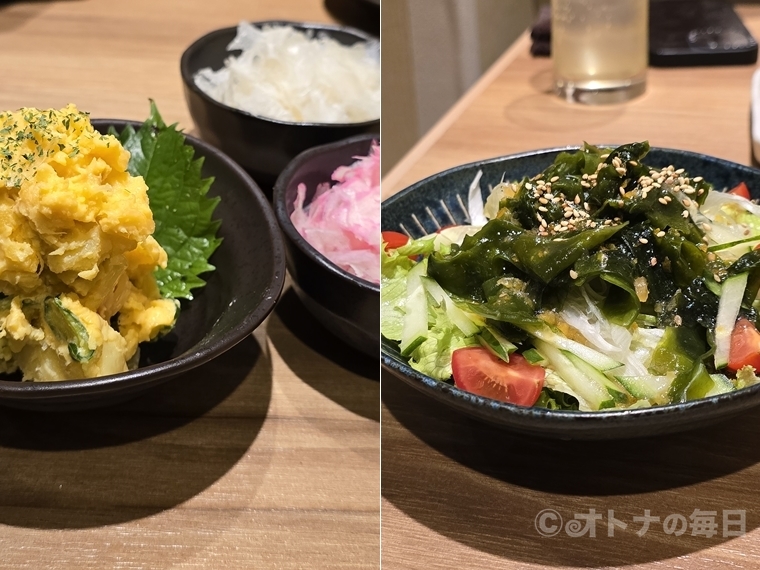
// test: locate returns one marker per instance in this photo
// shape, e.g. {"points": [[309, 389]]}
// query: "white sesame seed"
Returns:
{"points": [[668, 198], [568, 214], [656, 184], [586, 206], [685, 214], [662, 200], [605, 156], [716, 277], [529, 186], [573, 274], [678, 320], [680, 171], [621, 171], [585, 184], [556, 199], [543, 200], [701, 191], [554, 179], [542, 209], [577, 199], [707, 227], [686, 202], [622, 191], [644, 240], [660, 234], [697, 179]]}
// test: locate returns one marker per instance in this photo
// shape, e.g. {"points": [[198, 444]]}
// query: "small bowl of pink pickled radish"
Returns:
{"points": [[327, 202]]}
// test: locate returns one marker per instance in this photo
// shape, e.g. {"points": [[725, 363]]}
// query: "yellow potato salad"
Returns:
{"points": [[77, 292]]}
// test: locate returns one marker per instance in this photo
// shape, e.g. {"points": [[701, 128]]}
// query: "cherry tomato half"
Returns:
{"points": [[394, 240], [479, 371], [745, 346], [740, 190]]}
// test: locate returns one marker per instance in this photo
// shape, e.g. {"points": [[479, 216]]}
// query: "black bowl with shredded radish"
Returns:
{"points": [[263, 146]]}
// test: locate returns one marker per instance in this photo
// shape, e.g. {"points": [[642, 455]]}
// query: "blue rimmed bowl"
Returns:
{"points": [[441, 199]]}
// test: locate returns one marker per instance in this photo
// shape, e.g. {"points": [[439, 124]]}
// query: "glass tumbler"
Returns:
{"points": [[600, 49]]}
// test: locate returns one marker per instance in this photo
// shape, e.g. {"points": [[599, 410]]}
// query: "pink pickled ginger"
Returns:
{"points": [[342, 221]]}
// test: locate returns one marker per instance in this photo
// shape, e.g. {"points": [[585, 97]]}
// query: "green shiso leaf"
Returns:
{"points": [[178, 198]]}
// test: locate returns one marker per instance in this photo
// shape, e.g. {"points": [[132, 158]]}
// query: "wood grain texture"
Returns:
{"points": [[267, 457], [460, 494]]}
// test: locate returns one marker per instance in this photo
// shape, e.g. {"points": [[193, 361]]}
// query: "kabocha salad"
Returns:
{"points": [[600, 283], [101, 235]]}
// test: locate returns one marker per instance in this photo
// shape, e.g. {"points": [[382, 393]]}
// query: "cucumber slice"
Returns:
{"points": [[415, 328], [731, 295], [593, 357], [455, 314], [67, 327], [594, 393], [650, 387], [615, 390], [496, 343], [533, 356], [722, 385], [750, 241]]}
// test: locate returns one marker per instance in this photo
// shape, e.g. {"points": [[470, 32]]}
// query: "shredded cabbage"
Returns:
{"points": [[290, 75], [342, 221]]}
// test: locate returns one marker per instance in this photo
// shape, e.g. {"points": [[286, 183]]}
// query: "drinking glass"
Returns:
{"points": [[600, 49]]}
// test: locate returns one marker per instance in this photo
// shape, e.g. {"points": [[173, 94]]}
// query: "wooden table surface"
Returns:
{"points": [[459, 494], [267, 457]]}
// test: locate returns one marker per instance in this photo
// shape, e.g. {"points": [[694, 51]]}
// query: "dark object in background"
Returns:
{"points": [[345, 304], [698, 32], [682, 33], [541, 33], [262, 146], [362, 14]]}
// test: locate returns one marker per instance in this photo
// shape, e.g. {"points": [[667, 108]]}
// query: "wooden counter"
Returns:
{"points": [[267, 457], [458, 494]]}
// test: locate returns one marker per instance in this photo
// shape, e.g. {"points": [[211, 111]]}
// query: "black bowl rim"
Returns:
{"points": [[201, 42], [190, 359], [463, 399], [286, 225]]}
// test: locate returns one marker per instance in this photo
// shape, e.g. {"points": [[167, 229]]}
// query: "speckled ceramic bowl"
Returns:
{"points": [[262, 146], [441, 200], [346, 305]]}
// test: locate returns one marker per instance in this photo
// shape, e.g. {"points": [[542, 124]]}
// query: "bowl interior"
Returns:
{"points": [[441, 200], [237, 296]]}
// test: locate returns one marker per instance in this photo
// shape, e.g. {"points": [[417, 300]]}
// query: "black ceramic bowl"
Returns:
{"points": [[443, 196], [263, 146], [239, 294], [345, 304]]}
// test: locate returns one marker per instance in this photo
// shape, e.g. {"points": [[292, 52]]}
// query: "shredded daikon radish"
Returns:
{"points": [[342, 222], [289, 75]]}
